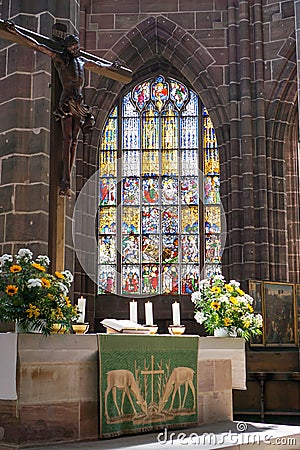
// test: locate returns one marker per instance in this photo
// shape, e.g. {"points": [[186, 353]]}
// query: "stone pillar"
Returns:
{"points": [[25, 128]]}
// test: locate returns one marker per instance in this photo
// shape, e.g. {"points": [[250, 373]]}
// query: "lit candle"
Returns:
{"points": [[133, 311], [176, 313], [81, 309], [149, 313]]}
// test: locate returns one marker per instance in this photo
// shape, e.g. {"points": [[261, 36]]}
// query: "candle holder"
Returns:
{"points": [[152, 328], [176, 330], [80, 328]]}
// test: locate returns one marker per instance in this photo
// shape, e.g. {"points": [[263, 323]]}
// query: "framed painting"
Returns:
{"points": [[279, 305], [298, 309], [255, 290]]}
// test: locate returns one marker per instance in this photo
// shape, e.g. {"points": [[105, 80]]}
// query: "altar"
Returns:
{"points": [[52, 390]]}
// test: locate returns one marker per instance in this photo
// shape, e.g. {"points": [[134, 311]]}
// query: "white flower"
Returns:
{"points": [[258, 320], [196, 296], [68, 276], [4, 258], [234, 283], [63, 287], [248, 298], [200, 317], [24, 253], [224, 298], [218, 277], [34, 282], [43, 259]]}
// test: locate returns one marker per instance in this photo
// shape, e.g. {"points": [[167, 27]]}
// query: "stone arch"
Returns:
{"points": [[159, 38]]}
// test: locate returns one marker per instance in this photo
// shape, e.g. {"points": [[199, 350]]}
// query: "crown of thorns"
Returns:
{"points": [[71, 39]]}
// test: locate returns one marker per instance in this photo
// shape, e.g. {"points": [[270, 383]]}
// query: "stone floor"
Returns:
{"points": [[225, 435]]}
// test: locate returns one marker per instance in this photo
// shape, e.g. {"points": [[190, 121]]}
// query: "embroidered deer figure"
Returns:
{"points": [[125, 382], [179, 376]]}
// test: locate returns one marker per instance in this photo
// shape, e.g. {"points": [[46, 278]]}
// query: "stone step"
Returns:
{"points": [[223, 435]]}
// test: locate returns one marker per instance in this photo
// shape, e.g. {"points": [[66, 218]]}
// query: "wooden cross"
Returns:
{"points": [[152, 372], [57, 205]]}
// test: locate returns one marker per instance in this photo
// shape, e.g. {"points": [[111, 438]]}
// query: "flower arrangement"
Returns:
{"points": [[224, 305], [32, 296]]}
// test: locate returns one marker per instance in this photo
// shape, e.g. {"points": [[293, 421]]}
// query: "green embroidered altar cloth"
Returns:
{"points": [[147, 382]]}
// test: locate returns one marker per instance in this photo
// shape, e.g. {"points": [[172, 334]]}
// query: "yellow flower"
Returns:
{"points": [[246, 323], [234, 300], [229, 288], [216, 289], [11, 289], [38, 267], [227, 321], [59, 275], [59, 313], [33, 311], [240, 292], [46, 283], [215, 305], [15, 268], [68, 301], [250, 307]]}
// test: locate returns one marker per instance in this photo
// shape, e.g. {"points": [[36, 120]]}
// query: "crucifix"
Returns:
{"points": [[69, 109]]}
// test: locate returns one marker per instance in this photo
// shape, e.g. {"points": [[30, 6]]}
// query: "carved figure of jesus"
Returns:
{"points": [[72, 112]]}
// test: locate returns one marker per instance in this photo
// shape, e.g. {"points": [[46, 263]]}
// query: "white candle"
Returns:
{"points": [[176, 313], [133, 311], [149, 313], [81, 309]]}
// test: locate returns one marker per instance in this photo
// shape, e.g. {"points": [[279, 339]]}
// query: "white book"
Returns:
{"points": [[124, 326]]}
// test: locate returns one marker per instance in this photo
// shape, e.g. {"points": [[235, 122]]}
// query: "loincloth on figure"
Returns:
{"points": [[77, 108]]}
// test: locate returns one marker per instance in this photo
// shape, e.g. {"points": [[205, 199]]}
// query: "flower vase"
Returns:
{"points": [[224, 332]]}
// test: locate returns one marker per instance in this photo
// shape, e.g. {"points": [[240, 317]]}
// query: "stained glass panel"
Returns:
{"points": [[169, 248], [189, 190], [150, 163], [150, 220], [108, 166], [107, 279], [150, 128], [178, 93], [159, 92], [141, 94], [131, 191], [190, 249], [107, 249], [169, 190], [212, 219], [191, 108], [211, 190], [150, 247], [169, 128], [190, 279], [107, 191], [150, 279], [131, 133], [150, 188], [169, 219], [169, 162], [170, 279], [189, 132], [212, 249], [189, 162], [107, 220], [211, 161], [129, 109], [131, 163], [130, 220], [212, 269], [109, 135], [131, 279], [130, 250], [189, 220]]}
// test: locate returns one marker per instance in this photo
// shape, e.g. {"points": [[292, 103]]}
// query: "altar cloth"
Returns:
{"points": [[8, 366], [147, 382]]}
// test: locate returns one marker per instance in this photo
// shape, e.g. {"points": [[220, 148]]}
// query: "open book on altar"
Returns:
{"points": [[124, 326]]}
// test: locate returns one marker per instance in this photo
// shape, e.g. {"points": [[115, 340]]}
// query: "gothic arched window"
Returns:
{"points": [[159, 208]]}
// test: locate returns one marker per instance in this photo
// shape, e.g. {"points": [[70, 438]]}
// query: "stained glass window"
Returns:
{"points": [[159, 206]]}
